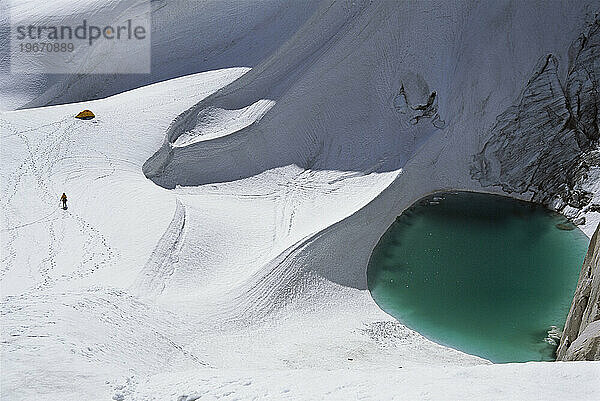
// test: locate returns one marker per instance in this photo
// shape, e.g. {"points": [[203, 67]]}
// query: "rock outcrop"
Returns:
{"points": [[547, 143], [581, 336]]}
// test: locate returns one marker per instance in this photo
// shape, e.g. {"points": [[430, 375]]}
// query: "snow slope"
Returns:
{"points": [[187, 37], [245, 253]]}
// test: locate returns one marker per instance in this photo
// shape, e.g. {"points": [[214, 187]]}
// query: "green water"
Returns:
{"points": [[485, 274]]}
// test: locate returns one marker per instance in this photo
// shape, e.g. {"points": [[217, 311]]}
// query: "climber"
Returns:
{"points": [[63, 199]]}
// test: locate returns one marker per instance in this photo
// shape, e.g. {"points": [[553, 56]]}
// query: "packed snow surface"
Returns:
{"points": [[220, 224]]}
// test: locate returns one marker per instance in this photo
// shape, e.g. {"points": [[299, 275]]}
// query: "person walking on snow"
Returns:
{"points": [[63, 199]]}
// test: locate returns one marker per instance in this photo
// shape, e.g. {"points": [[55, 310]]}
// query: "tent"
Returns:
{"points": [[85, 115]]}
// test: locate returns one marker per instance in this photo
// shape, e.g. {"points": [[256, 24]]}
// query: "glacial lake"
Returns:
{"points": [[485, 274]]}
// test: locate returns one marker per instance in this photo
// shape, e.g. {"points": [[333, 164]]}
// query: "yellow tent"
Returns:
{"points": [[85, 115]]}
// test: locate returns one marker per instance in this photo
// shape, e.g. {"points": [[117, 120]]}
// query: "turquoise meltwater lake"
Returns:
{"points": [[485, 274]]}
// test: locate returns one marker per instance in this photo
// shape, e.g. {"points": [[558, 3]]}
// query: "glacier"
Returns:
{"points": [[222, 210]]}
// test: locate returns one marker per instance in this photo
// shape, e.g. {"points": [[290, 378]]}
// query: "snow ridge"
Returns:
{"points": [[150, 282]]}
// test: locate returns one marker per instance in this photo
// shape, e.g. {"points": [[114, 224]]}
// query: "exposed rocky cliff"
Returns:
{"points": [[581, 336], [546, 145]]}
